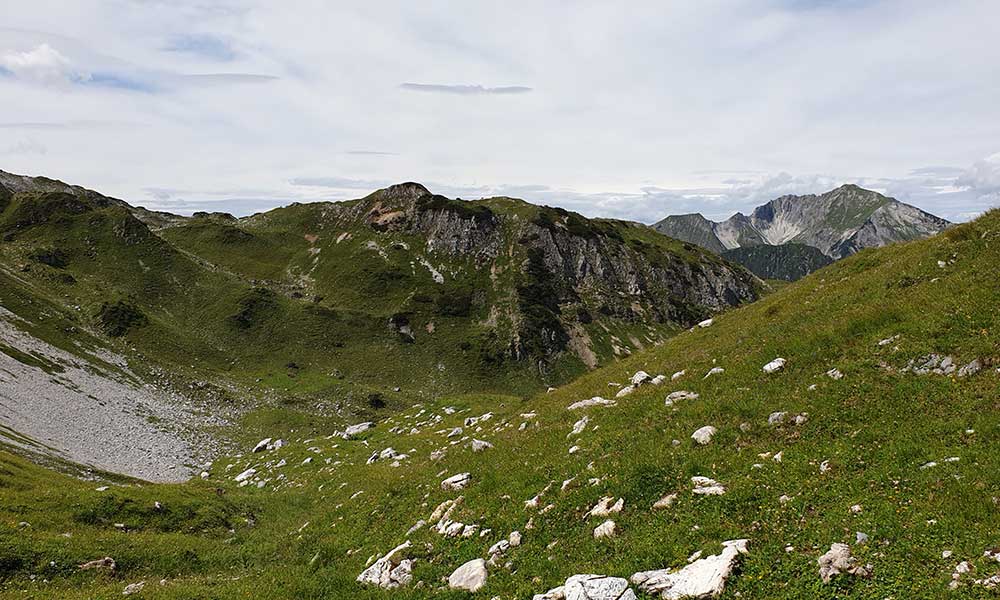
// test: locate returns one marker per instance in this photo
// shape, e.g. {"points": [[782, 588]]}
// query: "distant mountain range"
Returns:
{"points": [[837, 223]]}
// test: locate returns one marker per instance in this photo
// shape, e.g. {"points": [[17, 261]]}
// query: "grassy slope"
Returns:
{"points": [[875, 428]]}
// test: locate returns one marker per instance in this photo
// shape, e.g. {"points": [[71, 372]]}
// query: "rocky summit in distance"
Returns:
{"points": [[837, 223]]}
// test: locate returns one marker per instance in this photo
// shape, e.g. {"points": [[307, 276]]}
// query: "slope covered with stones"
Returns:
{"points": [[831, 440]]}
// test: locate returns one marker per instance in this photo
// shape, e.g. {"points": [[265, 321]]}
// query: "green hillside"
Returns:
{"points": [[904, 458], [321, 300], [788, 262]]}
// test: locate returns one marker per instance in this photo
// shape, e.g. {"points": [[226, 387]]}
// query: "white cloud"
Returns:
{"points": [[984, 176], [42, 64]]}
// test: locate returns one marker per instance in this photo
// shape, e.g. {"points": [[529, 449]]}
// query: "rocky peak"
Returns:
{"points": [[404, 191]]}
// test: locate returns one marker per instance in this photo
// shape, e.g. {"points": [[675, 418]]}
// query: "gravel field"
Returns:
{"points": [[79, 411]]}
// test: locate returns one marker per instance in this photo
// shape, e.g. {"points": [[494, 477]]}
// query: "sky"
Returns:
{"points": [[630, 110]]}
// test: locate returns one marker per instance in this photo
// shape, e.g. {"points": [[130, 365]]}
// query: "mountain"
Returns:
{"points": [[838, 223], [352, 307], [789, 262], [861, 465]]}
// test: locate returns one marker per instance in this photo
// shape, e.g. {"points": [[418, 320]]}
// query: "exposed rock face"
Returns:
{"points": [[390, 571], [703, 578], [579, 267], [837, 223]]}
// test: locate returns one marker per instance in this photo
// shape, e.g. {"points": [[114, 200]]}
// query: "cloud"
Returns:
{"points": [[43, 65], [26, 147], [465, 90], [202, 45], [211, 79], [67, 125], [340, 183], [667, 107], [983, 177], [370, 153]]}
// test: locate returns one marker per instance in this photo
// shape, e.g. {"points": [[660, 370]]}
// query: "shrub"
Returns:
{"points": [[116, 319]]}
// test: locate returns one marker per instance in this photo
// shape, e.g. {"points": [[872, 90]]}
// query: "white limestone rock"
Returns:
{"points": [[775, 365], [706, 323], [470, 577], [391, 571], [640, 378], [665, 502], [595, 401], [837, 561], [705, 486], [704, 434], [625, 391], [579, 426], [605, 529], [358, 429], [456, 482], [607, 506], [590, 587], [703, 578], [480, 445], [679, 395]]}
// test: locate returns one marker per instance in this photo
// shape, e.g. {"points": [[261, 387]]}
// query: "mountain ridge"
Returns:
{"points": [[839, 223], [454, 290]]}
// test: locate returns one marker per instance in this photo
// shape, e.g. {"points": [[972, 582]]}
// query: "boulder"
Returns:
{"points": [[625, 391], [679, 395], [103, 564], [776, 418], [605, 529], [456, 482], [579, 426], [358, 429], [595, 401], [640, 378], [703, 578], [704, 486], [678, 375], [714, 371], [604, 507], [133, 588], [706, 323], [704, 434], [480, 445], [837, 561], [590, 587], [390, 571], [469, 577], [658, 380], [970, 369], [775, 365], [665, 502], [261, 445], [834, 374]]}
